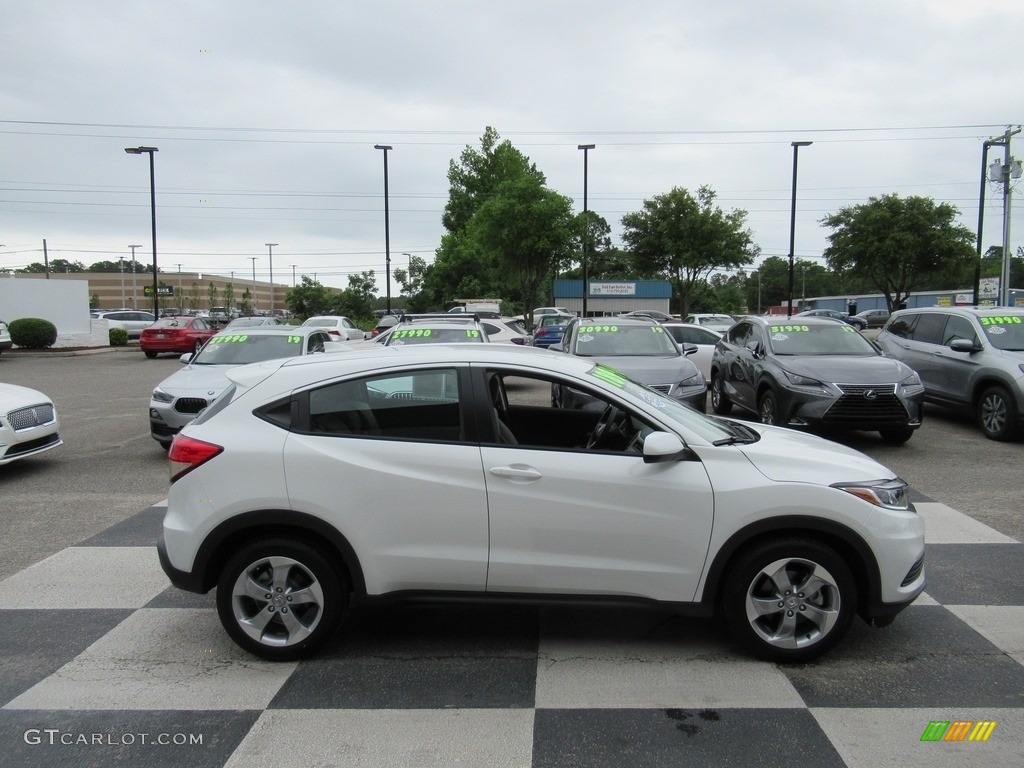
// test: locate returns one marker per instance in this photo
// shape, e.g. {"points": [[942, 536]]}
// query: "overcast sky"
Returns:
{"points": [[266, 115]]}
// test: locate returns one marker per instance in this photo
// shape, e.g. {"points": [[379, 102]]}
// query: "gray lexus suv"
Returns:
{"points": [[966, 358]]}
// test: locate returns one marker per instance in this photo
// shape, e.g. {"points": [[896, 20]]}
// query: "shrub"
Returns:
{"points": [[118, 337], [32, 332]]}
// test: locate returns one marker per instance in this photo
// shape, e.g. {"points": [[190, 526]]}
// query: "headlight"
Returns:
{"points": [[162, 397], [913, 380], [891, 494], [697, 380], [802, 381]]}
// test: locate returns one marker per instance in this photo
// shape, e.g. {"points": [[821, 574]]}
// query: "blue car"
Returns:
{"points": [[550, 330]]}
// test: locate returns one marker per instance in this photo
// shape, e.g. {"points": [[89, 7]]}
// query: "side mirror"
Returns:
{"points": [[186, 358], [964, 345], [664, 446], [687, 348]]}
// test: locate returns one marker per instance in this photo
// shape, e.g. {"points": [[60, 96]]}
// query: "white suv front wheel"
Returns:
{"points": [[281, 599], [789, 600]]}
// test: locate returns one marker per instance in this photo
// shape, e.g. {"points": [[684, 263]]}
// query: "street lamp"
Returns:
{"points": [[254, 302], [293, 266], [586, 227], [792, 226], [152, 205], [120, 260], [270, 248], [387, 230], [178, 301]]}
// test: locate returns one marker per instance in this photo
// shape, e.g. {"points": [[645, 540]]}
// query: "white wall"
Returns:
{"points": [[65, 303]]}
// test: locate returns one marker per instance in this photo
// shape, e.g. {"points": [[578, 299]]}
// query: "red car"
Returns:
{"points": [[175, 334]]}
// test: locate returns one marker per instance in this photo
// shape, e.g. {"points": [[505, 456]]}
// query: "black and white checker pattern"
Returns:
{"points": [[98, 651]]}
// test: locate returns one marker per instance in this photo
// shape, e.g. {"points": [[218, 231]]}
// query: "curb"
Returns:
{"points": [[14, 353]]}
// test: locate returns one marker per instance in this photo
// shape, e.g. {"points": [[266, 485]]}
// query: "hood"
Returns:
{"points": [[845, 369], [650, 370], [203, 379], [786, 455], [12, 397]]}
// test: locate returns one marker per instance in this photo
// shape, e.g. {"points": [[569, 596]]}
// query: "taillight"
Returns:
{"points": [[334, 332], [187, 453], [520, 339], [374, 332]]}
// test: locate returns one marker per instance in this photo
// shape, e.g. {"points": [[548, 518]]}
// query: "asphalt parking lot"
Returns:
{"points": [[428, 685]]}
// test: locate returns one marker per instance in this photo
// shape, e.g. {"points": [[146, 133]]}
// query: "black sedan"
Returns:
{"points": [[814, 372]]}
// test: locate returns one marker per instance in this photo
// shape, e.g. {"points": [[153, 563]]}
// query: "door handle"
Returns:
{"points": [[517, 472]]}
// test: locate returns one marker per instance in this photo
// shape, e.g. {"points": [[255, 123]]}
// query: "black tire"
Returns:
{"points": [[789, 600], [997, 414], [768, 408], [285, 568], [720, 402], [150, 354], [896, 435]]}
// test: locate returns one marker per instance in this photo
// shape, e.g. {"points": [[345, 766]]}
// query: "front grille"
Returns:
{"points": [[28, 418], [858, 405], [914, 572], [663, 388], [189, 404]]}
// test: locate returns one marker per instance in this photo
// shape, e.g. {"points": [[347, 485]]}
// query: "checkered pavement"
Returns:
{"points": [[104, 664]]}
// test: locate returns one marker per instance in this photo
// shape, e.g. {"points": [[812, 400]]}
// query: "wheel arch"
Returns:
{"points": [[233, 534], [848, 544], [987, 380]]}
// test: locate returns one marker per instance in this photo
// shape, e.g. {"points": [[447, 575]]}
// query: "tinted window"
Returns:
{"points": [[689, 335], [799, 339], [598, 340], [423, 405], [929, 328], [740, 334], [901, 326]]}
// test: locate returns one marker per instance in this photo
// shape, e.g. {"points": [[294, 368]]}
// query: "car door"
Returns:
{"points": [[574, 520], [385, 459], [739, 374]]}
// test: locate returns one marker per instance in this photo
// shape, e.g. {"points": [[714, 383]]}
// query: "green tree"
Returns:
{"points": [[306, 299], [461, 269], [212, 295], [684, 238], [229, 295], [245, 308], [526, 229], [56, 266], [193, 297], [356, 301], [107, 266], [898, 244]]}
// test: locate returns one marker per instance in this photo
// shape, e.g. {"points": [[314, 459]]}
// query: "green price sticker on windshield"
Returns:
{"points": [[473, 333], [233, 339], [1001, 320], [294, 339], [600, 329], [408, 333], [790, 329]]}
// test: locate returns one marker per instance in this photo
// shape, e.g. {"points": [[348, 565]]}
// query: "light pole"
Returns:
{"points": [[387, 227], [177, 299], [254, 302], [152, 206], [792, 226], [586, 227], [135, 289], [120, 260], [270, 248], [293, 266]]}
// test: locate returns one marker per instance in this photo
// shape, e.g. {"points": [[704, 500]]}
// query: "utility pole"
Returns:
{"points": [[134, 286], [1004, 171]]}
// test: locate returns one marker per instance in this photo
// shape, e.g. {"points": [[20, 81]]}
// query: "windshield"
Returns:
{"points": [[1004, 332], [240, 348], [709, 428], [633, 340], [831, 339]]}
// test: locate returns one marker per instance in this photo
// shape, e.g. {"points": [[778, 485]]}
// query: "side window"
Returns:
{"points": [[419, 405], [928, 329], [901, 326], [739, 335], [523, 414], [958, 328]]}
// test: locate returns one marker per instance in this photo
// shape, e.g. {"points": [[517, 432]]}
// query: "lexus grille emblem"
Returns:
{"points": [[870, 395]]}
